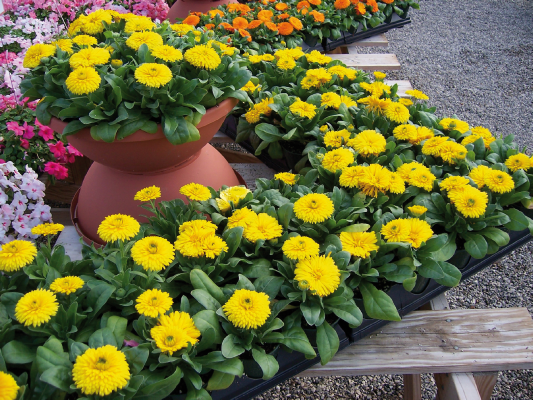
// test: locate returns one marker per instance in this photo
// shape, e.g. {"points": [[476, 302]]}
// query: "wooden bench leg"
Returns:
{"points": [[456, 386], [485, 382], [412, 387]]}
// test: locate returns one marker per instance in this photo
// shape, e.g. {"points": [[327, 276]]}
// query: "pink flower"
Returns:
{"points": [[58, 149], [14, 126], [72, 150], [45, 132], [24, 144], [28, 131], [2, 161], [56, 170], [130, 343]]}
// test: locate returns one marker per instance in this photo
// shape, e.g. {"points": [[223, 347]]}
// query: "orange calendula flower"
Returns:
{"points": [[240, 23], [209, 26], [227, 27], [246, 34], [373, 4], [281, 6], [296, 23], [315, 2], [215, 12], [319, 17], [342, 4], [283, 16], [265, 15], [191, 20], [272, 26], [254, 24], [285, 28], [360, 9], [303, 4]]}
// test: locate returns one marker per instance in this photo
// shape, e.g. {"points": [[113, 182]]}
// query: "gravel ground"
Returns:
{"points": [[474, 59]]}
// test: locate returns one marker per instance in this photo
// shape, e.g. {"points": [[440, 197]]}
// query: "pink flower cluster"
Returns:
{"points": [[21, 203], [11, 101]]}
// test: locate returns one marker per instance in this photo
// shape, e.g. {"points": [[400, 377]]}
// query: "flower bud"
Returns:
{"points": [[121, 292], [45, 60], [303, 285]]}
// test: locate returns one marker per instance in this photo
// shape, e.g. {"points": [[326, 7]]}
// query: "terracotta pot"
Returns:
{"points": [[141, 160], [182, 8]]}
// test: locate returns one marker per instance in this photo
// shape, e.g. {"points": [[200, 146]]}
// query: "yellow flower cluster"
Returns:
{"points": [[303, 109], [450, 124], [317, 57], [412, 133], [314, 78], [261, 227], [9, 386], [319, 274], [47, 229], [314, 208], [338, 159], [359, 244], [197, 238], [413, 230], [300, 247], [417, 175], [175, 332], [287, 177], [203, 56], [36, 307], [372, 180], [153, 253], [253, 116], [343, 72], [148, 194], [230, 195], [368, 143]]}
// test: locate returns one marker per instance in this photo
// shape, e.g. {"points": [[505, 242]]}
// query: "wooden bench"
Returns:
{"points": [[451, 344], [369, 62]]}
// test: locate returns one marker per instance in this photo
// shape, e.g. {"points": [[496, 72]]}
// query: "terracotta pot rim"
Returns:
{"points": [[213, 113]]}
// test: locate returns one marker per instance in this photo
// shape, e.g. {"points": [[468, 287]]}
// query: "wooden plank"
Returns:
{"points": [[402, 86], [233, 156], [412, 387], [485, 382], [373, 41], [370, 62], [221, 138], [458, 386], [440, 342]]}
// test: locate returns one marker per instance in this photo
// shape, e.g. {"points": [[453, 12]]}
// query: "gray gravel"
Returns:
{"points": [[474, 59]]}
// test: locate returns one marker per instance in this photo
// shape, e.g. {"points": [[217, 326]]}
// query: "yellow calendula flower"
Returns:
{"points": [[405, 170], [375, 104], [336, 138], [351, 176], [287, 177], [47, 229], [451, 151], [303, 109], [314, 78], [368, 143], [147, 194], [422, 133], [314, 208], [471, 139], [286, 63], [67, 284], [247, 309], [197, 239], [181, 29], [255, 59], [153, 253], [213, 246], [151, 39], [405, 132], [375, 180], [348, 101], [203, 56], [16, 255], [359, 244], [196, 192], [419, 232], [167, 53], [89, 58], [93, 23], [262, 227], [170, 339], [432, 146], [479, 174], [337, 159], [118, 227], [300, 247], [499, 181], [101, 371], [422, 178], [153, 303], [454, 182], [417, 94], [317, 57], [405, 102], [35, 53], [233, 194], [153, 74], [342, 72], [324, 128], [9, 387], [379, 75], [250, 87], [396, 230], [196, 225], [518, 161], [376, 88], [397, 112], [319, 273], [417, 211], [396, 184], [85, 40], [64, 44], [482, 132], [83, 80], [139, 24], [253, 116], [184, 322], [470, 202], [36, 307], [331, 100], [241, 217], [450, 124]]}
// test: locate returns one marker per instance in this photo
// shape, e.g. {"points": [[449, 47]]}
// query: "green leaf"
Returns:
{"points": [[233, 239], [285, 213], [267, 132], [161, 389], [232, 366], [73, 127], [205, 299], [356, 228], [200, 280], [207, 319], [104, 131], [518, 221], [220, 380], [15, 352], [296, 339], [118, 326], [348, 312], [311, 312], [136, 357], [269, 285], [377, 303], [327, 341], [229, 348], [98, 296], [452, 275], [500, 237], [102, 337], [409, 283], [476, 245], [430, 269], [268, 363], [59, 377]]}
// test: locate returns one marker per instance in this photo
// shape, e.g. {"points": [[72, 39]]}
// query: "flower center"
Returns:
{"points": [[101, 364], [471, 202], [247, 303], [313, 204], [152, 248], [169, 339]]}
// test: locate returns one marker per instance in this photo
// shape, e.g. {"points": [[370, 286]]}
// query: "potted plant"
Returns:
{"points": [[142, 103]]}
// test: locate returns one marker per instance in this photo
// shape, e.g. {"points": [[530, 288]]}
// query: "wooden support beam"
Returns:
{"points": [[412, 387], [370, 62], [485, 382], [373, 41], [457, 386]]}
